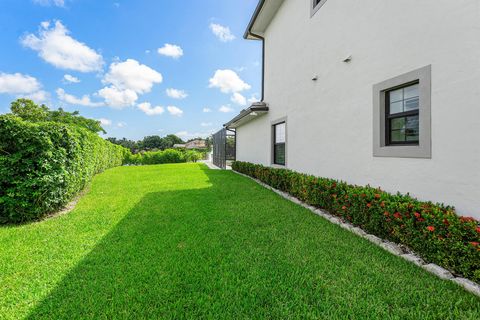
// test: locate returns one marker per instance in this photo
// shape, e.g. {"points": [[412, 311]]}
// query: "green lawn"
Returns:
{"points": [[182, 241]]}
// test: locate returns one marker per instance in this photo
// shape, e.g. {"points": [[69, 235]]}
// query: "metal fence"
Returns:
{"points": [[224, 147]]}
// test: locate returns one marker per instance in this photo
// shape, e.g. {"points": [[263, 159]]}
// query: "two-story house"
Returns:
{"points": [[379, 92]]}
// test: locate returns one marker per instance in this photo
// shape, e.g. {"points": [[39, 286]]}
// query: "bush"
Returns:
{"points": [[162, 157], [434, 231], [43, 165], [193, 156]]}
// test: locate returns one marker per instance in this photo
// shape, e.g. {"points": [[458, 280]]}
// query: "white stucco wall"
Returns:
{"points": [[330, 120], [253, 139]]}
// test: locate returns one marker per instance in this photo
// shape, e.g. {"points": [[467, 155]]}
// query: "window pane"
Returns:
{"points": [[413, 136], [396, 95], [412, 122], [396, 107], [411, 91], [412, 104], [412, 132], [398, 135], [280, 133], [279, 156], [398, 123]]}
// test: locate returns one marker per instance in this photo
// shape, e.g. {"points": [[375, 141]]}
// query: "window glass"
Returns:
{"points": [[404, 99], [280, 154], [412, 104], [411, 91], [280, 133], [396, 95], [398, 135], [279, 144], [403, 115], [396, 107], [398, 123]]}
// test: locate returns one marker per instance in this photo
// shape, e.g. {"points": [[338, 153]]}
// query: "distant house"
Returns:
{"points": [[196, 144], [374, 92]]}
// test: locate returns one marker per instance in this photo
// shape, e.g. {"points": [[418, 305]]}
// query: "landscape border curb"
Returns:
{"points": [[393, 248]]}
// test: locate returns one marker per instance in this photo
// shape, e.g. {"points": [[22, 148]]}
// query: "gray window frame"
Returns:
{"points": [[314, 8], [424, 147], [272, 139]]}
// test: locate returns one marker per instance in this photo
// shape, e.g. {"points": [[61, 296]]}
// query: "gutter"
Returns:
{"points": [[256, 107], [253, 19]]}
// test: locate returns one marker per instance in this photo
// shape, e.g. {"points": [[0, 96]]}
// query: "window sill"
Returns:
{"points": [[403, 151]]}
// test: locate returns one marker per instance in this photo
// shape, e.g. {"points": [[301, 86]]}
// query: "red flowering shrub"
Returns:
{"points": [[434, 231]]}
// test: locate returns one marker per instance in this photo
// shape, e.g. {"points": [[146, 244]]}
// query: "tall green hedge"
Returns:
{"points": [[44, 165], [162, 157], [434, 231]]}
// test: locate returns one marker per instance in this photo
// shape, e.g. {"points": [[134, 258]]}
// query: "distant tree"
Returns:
{"points": [[152, 142], [170, 140], [30, 111], [209, 142], [124, 142], [74, 118]]}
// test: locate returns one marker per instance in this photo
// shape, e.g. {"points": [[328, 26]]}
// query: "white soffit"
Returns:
{"points": [[264, 17]]}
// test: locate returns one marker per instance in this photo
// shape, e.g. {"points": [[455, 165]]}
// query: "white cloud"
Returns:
{"points": [[147, 108], [221, 32], [174, 111], [70, 78], [226, 109], [171, 50], [121, 124], [127, 80], [253, 99], [38, 96], [238, 99], [118, 98], [207, 110], [18, 83], [228, 81], [105, 122], [176, 94], [24, 86], [206, 124], [70, 99], [57, 3], [131, 75], [57, 47]]}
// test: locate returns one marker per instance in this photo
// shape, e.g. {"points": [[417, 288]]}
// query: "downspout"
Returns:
{"points": [[263, 62], [259, 7]]}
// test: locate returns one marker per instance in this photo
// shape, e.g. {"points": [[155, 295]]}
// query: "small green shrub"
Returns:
{"points": [[433, 230], [193, 156], [44, 164]]}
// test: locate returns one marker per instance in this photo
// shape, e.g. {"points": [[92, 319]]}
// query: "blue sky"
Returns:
{"points": [[115, 59]]}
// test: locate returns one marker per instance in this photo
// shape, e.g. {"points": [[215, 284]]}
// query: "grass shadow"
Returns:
{"points": [[236, 250]]}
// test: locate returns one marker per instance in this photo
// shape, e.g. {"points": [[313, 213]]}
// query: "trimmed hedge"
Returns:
{"points": [[433, 230], [43, 165], [162, 157]]}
